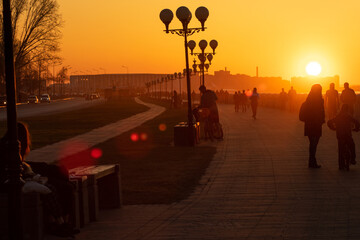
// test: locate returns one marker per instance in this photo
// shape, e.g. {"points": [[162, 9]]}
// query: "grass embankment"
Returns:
{"points": [[48, 129], [153, 171]]}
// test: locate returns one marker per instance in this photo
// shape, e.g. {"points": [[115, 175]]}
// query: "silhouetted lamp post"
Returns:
{"points": [[203, 56], [179, 76], [13, 162], [154, 88], [202, 66], [184, 15]]}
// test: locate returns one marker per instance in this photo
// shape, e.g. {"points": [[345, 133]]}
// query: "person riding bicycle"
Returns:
{"points": [[208, 100], [344, 123]]}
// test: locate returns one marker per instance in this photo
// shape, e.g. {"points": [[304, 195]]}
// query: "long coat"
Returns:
{"points": [[314, 118]]}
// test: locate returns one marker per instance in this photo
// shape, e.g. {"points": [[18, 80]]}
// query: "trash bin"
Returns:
{"points": [[181, 134]]}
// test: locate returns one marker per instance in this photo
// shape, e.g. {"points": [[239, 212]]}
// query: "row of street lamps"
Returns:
{"points": [[152, 85]]}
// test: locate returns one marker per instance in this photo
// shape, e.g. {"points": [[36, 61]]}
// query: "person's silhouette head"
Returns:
{"points": [[332, 86], [346, 85], [255, 90], [202, 88], [23, 138], [315, 92]]}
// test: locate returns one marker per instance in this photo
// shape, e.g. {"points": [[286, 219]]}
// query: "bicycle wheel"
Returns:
{"points": [[218, 132]]}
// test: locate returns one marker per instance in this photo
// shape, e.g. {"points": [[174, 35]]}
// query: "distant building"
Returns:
{"points": [[91, 83], [223, 79], [303, 84]]}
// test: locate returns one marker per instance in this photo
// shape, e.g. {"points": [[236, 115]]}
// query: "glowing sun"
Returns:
{"points": [[313, 68]]}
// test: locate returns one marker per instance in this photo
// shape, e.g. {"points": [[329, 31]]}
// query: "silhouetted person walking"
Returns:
{"points": [[193, 95], [254, 102], [348, 96], [332, 101], [312, 112], [243, 101], [292, 98], [237, 101], [343, 124], [208, 100], [175, 99], [283, 99]]}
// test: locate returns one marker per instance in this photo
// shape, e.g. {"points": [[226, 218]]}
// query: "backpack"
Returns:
{"points": [[303, 112]]}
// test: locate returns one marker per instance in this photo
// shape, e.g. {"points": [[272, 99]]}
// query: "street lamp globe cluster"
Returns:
{"points": [[184, 15], [203, 56]]}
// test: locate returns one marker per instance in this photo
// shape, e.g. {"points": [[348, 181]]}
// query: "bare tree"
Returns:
{"points": [[37, 32], [40, 34]]}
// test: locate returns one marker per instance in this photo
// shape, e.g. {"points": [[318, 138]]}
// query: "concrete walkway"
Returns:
{"points": [[68, 147], [257, 187]]}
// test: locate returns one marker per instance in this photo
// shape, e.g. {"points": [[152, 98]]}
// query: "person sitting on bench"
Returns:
{"points": [[57, 222]]}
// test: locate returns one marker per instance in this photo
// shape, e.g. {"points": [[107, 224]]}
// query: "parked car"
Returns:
{"points": [[2, 100], [45, 98], [32, 99], [94, 96]]}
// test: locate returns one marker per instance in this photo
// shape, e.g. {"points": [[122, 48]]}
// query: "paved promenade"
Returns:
{"points": [[257, 187], [68, 147]]}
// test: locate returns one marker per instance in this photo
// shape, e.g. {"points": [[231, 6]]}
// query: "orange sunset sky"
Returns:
{"points": [[279, 36]]}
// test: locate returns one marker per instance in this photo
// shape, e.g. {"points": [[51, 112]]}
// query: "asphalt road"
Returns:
{"points": [[56, 106]]}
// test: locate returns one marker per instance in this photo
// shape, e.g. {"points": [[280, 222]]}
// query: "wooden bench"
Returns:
{"points": [[81, 206], [103, 186], [97, 187]]}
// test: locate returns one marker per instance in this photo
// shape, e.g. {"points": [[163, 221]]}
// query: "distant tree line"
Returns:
{"points": [[37, 32]]}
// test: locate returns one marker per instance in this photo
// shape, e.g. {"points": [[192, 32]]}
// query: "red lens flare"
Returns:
{"points": [[134, 137], [162, 127], [96, 153], [143, 137]]}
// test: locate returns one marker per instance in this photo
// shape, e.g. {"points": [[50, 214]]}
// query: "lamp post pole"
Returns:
{"points": [[13, 161], [53, 81], [155, 93], [180, 86], [166, 92], [39, 78], [161, 80], [184, 15], [127, 75], [172, 85], [188, 85]]}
